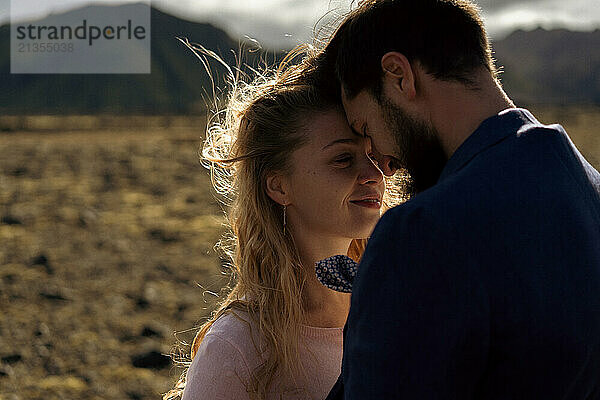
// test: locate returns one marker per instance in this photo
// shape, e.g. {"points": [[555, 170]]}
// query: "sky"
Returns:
{"points": [[285, 23]]}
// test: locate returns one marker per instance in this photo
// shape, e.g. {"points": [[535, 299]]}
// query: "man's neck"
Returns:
{"points": [[457, 111]]}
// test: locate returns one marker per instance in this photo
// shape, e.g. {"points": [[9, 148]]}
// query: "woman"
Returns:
{"points": [[304, 188]]}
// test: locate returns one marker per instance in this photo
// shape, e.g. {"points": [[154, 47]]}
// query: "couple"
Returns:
{"points": [[485, 284]]}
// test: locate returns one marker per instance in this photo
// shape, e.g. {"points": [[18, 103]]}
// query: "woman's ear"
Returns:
{"points": [[398, 75], [277, 189]]}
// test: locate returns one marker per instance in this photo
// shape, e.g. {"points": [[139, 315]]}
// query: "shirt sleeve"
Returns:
{"points": [[418, 326], [218, 372]]}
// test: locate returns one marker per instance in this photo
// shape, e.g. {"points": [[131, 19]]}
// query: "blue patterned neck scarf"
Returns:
{"points": [[337, 272]]}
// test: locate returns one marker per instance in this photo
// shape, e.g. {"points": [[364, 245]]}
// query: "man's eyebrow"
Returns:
{"points": [[347, 140]]}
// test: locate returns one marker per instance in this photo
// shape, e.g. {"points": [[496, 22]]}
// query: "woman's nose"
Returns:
{"points": [[369, 172]]}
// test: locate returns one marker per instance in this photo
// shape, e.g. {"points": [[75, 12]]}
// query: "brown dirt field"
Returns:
{"points": [[105, 236], [581, 123]]}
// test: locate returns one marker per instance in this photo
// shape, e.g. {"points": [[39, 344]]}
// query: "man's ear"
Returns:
{"points": [[277, 189], [398, 74]]}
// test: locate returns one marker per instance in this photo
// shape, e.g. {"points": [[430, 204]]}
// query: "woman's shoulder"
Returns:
{"points": [[236, 329], [223, 362], [233, 325]]}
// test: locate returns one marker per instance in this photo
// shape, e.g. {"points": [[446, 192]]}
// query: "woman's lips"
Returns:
{"points": [[368, 203]]}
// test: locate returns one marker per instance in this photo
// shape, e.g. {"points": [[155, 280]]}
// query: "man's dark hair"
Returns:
{"points": [[447, 37]]}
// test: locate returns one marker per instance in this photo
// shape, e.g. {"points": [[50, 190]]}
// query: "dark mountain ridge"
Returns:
{"points": [[175, 85], [551, 67], [538, 67]]}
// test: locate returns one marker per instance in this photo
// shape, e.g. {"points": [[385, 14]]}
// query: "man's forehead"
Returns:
{"points": [[357, 103], [356, 120], [347, 101], [353, 115]]}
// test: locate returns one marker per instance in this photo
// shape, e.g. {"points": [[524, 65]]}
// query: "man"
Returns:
{"points": [[486, 284]]}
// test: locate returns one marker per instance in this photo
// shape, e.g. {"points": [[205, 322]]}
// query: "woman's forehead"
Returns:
{"points": [[325, 128]]}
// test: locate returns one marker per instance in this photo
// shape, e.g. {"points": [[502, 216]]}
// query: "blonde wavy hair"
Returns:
{"points": [[254, 135]]}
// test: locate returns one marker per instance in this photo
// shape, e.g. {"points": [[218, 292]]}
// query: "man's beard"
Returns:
{"points": [[418, 148]]}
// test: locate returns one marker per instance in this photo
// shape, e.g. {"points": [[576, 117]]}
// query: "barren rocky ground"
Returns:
{"points": [[106, 250], [104, 238]]}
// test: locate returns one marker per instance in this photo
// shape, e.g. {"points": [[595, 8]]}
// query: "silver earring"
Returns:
{"points": [[284, 221]]}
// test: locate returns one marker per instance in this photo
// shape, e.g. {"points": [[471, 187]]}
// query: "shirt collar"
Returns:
{"points": [[490, 132]]}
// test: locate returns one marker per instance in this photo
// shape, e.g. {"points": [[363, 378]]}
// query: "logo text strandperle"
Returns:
{"points": [[81, 32]]}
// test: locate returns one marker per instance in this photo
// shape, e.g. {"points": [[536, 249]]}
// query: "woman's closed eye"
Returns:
{"points": [[344, 159]]}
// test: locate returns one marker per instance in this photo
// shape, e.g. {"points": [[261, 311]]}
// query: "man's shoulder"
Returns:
{"points": [[535, 166]]}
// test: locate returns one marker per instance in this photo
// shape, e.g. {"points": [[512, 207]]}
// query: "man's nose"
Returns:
{"points": [[387, 165]]}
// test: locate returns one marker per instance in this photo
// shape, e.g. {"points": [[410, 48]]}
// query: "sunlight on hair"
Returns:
{"points": [[251, 132]]}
